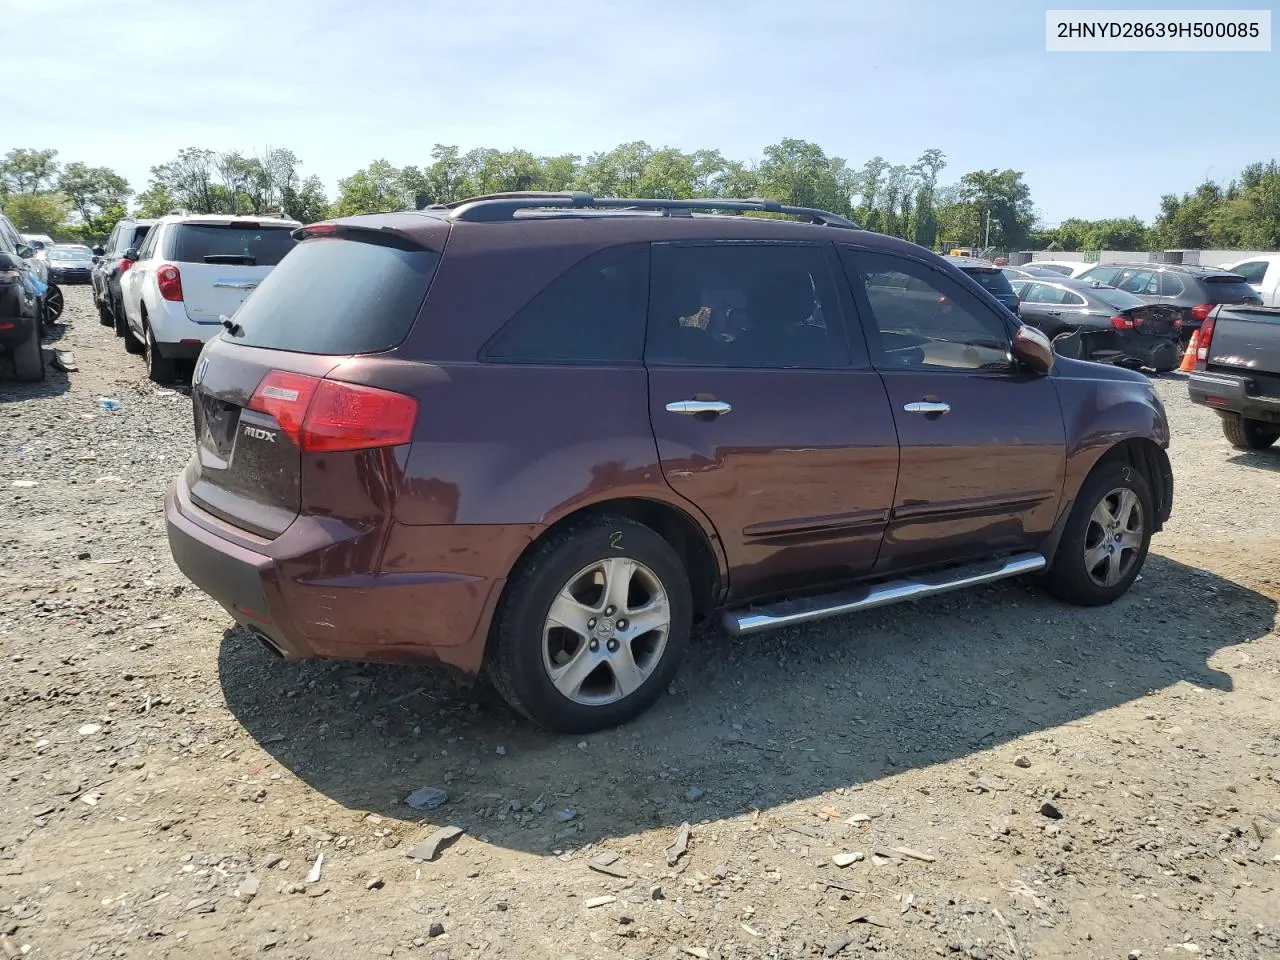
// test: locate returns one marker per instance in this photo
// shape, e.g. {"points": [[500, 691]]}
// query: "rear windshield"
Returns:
{"points": [[334, 296], [1119, 299], [1230, 289], [69, 253], [991, 279], [232, 243]]}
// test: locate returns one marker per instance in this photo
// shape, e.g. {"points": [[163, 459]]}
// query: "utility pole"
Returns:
{"points": [[987, 241]]}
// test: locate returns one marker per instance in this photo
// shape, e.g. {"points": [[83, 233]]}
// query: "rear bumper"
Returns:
{"points": [[17, 316], [177, 335], [69, 276], [1233, 394], [281, 590]]}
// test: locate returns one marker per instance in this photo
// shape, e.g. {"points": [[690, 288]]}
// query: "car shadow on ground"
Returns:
{"points": [[55, 381], [753, 722], [1261, 459]]}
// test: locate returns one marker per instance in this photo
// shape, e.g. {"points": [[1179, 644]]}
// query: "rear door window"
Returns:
{"points": [[244, 242], [1138, 281], [1170, 285], [1229, 289], [591, 313], [757, 305], [338, 296]]}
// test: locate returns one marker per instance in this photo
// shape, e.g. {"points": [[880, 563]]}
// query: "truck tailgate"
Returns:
{"points": [[1246, 342]]}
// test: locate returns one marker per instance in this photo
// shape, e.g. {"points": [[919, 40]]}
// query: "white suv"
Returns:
{"points": [[191, 272]]}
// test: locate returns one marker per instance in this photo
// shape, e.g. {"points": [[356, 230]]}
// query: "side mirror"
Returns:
{"points": [[97, 259], [1033, 349], [98, 251], [25, 252], [131, 253]]}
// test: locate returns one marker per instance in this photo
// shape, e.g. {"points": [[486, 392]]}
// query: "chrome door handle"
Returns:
{"points": [[923, 406], [229, 285], [691, 408]]}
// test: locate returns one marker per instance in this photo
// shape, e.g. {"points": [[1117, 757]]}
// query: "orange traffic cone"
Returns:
{"points": [[1189, 358]]}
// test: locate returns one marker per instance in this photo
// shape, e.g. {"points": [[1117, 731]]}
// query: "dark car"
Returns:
{"points": [[112, 263], [991, 278], [1193, 290], [69, 263], [1110, 325], [658, 415], [1237, 373], [20, 320]]}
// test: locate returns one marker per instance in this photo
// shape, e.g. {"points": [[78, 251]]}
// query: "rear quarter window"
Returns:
{"points": [[217, 243], [338, 296]]}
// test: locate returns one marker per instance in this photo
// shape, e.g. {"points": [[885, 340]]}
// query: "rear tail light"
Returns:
{"points": [[1206, 338], [1202, 311], [125, 265], [1123, 323], [169, 280], [328, 415]]}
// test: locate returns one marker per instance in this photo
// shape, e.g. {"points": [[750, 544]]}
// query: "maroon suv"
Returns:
{"points": [[543, 434]]}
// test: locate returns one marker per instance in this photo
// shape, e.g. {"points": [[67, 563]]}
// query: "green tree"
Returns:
{"points": [[1004, 197], [798, 172], [38, 212], [190, 181], [98, 195], [378, 188], [155, 201], [308, 202], [28, 171]]}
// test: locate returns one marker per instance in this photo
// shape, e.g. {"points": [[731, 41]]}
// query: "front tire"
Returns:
{"points": [[28, 358], [1245, 434], [53, 303], [1106, 538], [104, 312], [592, 626]]}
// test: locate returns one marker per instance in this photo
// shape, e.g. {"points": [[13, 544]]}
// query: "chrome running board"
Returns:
{"points": [[788, 613]]}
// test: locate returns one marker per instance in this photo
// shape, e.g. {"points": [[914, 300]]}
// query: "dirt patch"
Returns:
{"points": [[1021, 779]]}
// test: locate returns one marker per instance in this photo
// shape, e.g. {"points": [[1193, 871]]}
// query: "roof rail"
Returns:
{"points": [[495, 207]]}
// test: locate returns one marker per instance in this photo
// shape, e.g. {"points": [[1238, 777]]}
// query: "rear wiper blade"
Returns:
{"points": [[231, 326], [240, 258]]}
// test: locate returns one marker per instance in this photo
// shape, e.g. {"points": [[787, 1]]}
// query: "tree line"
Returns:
{"points": [[981, 208]]}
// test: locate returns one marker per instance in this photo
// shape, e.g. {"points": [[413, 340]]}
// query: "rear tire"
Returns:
{"points": [[159, 369], [1105, 542], [28, 358], [104, 312], [131, 343], [1245, 434], [604, 670]]}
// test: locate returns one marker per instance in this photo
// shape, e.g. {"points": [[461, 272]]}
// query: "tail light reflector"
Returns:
{"points": [[1123, 323], [326, 416], [1202, 311], [125, 265], [169, 280]]}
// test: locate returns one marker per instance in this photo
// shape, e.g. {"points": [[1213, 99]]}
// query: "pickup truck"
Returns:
{"points": [[1237, 373], [1263, 274]]}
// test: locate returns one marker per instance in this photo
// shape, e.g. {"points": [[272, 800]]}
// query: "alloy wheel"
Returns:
{"points": [[1113, 539], [606, 631]]}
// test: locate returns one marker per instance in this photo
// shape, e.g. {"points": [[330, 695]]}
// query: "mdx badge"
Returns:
{"points": [[259, 434]]}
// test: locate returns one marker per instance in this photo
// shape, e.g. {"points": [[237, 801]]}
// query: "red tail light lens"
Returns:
{"points": [[1202, 311], [326, 416], [1123, 323], [125, 265], [169, 280], [1206, 338], [344, 416]]}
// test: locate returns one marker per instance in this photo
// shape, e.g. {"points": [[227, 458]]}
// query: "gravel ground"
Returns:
{"points": [[1008, 777]]}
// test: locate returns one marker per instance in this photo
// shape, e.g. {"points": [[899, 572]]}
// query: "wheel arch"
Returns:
{"points": [[698, 550], [1144, 455]]}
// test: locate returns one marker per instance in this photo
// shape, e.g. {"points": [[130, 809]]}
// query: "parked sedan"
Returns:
{"points": [[70, 263], [1102, 323]]}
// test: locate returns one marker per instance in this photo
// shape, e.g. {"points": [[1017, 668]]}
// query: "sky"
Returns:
{"points": [[127, 83]]}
